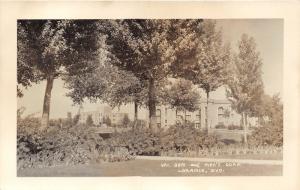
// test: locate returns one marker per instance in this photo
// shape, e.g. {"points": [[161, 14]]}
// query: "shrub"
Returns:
{"points": [[55, 122], [267, 135], [76, 119], [114, 154], [184, 137], [220, 126], [139, 141], [138, 124], [54, 146], [178, 138], [89, 121], [29, 125], [126, 121], [235, 127]]}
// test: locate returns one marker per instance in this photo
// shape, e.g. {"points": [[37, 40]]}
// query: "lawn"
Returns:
{"points": [[155, 168]]}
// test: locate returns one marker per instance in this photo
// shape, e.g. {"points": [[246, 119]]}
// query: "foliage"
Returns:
{"points": [[107, 83], [229, 127], [271, 132], [136, 56], [245, 82], [40, 45], [182, 96], [55, 122], [267, 135], [114, 154], [208, 63], [272, 108], [245, 85], [139, 141], [220, 126], [125, 121], [183, 137], [48, 49], [79, 144], [207, 67], [150, 44], [75, 119], [107, 121], [235, 127], [89, 121], [70, 146], [28, 125], [147, 47]]}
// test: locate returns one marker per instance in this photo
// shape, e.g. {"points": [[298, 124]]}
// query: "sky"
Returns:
{"points": [[268, 34]]}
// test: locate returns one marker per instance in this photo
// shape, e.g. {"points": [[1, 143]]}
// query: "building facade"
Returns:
{"points": [[219, 113], [101, 114]]}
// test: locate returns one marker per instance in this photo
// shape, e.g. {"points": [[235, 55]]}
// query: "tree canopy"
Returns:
{"points": [[245, 85], [48, 49], [148, 47], [182, 95]]}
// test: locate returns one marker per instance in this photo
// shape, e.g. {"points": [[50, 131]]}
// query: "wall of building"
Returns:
{"points": [[97, 115], [219, 112], [101, 114]]}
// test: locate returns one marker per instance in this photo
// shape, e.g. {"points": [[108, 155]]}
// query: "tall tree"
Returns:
{"points": [[207, 63], [48, 49], [148, 48], [245, 85]]}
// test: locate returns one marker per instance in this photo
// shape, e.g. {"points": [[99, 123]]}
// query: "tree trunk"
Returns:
{"points": [[245, 128], [135, 122], [152, 105], [135, 111], [206, 111], [46, 105], [184, 116]]}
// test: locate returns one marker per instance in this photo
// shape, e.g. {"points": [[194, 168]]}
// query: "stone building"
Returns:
{"points": [[101, 114], [98, 115], [219, 112]]}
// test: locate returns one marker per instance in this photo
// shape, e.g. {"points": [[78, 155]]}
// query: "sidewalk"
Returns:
{"points": [[221, 160]]}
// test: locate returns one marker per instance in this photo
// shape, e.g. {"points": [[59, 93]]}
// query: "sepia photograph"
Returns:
{"points": [[149, 97]]}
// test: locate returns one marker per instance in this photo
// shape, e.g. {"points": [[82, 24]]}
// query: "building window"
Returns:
{"points": [[197, 125], [199, 116], [188, 117], [158, 116], [221, 115]]}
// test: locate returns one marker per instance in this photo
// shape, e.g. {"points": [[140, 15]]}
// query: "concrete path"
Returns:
{"points": [[219, 160]]}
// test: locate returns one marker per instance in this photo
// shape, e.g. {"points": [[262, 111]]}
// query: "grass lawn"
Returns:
{"points": [[155, 168]]}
